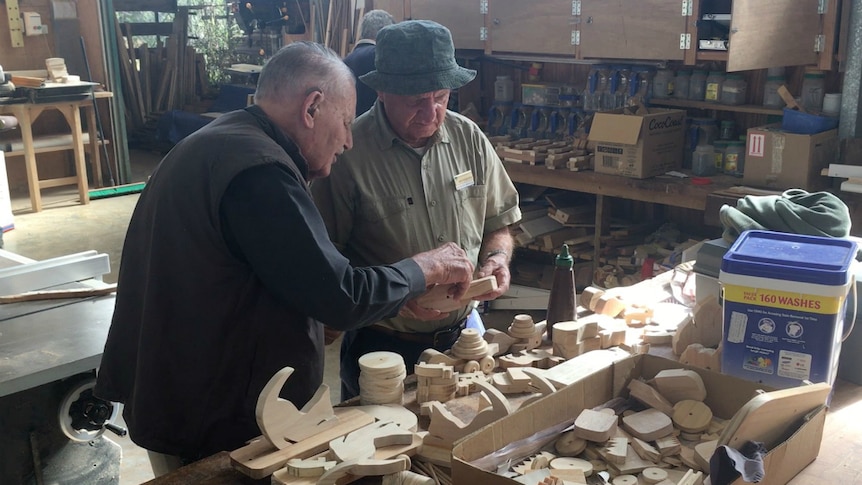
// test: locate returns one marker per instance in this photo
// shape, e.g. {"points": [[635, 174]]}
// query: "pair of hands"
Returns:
{"points": [[449, 265], [496, 265]]}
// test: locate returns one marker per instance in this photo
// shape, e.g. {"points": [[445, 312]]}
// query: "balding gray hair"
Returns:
{"points": [[373, 21], [300, 67]]}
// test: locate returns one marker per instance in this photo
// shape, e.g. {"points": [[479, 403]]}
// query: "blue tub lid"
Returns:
{"points": [[792, 257]]}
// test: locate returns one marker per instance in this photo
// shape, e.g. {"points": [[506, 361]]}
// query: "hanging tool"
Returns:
{"points": [[98, 121]]}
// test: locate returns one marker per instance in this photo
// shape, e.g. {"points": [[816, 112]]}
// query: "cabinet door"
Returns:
{"points": [[463, 18], [535, 27], [771, 33], [631, 29]]}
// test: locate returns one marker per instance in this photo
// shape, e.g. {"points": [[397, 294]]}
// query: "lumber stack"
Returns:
{"points": [[169, 76]]}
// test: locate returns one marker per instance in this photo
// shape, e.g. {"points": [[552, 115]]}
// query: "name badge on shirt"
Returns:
{"points": [[464, 180]]}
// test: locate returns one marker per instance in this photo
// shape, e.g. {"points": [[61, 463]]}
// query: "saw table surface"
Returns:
{"points": [[43, 341]]}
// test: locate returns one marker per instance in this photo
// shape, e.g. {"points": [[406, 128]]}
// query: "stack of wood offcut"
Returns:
{"points": [[381, 378], [162, 78], [553, 154]]}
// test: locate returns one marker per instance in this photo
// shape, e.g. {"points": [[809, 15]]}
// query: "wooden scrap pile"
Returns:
{"points": [[162, 78], [552, 154]]}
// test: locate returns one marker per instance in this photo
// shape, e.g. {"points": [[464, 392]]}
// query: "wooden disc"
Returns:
{"points": [[569, 463], [380, 362], [654, 475], [625, 480], [691, 416], [570, 445]]}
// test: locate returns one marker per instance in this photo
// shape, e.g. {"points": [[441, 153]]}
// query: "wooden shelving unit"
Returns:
{"points": [[742, 108]]}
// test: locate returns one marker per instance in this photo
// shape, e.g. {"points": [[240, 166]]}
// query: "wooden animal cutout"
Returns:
{"points": [[279, 420], [363, 442], [445, 428]]}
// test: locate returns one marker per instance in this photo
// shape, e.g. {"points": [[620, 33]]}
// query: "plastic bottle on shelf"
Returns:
{"points": [[590, 96], [641, 86], [714, 81], [607, 74], [813, 89], [697, 85], [681, 84], [703, 161], [771, 99], [504, 89], [720, 151], [727, 130], [733, 90], [663, 84], [620, 84]]}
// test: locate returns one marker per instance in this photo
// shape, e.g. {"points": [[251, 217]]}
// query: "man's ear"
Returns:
{"points": [[310, 106]]}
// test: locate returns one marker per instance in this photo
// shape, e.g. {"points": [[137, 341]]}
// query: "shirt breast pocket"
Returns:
{"points": [[377, 210], [472, 202]]}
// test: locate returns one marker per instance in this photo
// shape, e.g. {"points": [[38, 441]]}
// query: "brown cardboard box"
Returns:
{"points": [[795, 430], [778, 160], [638, 146]]}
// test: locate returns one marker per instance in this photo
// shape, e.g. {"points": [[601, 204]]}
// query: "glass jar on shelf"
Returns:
{"points": [[703, 161], [663, 84], [733, 90], [681, 84], [771, 98], [813, 89], [697, 85], [504, 89], [714, 80]]}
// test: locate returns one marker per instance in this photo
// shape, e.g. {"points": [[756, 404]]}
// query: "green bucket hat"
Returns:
{"points": [[415, 57]]}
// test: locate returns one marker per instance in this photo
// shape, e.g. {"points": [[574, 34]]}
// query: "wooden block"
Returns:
{"points": [[679, 384], [363, 442], [699, 356], [703, 453], [646, 394], [616, 449], [654, 475], [312, 467], [648, 425], [686, 454], [645, 450], [590, 297], [439, 298], [609, 305], [668, 446], [595, 425], [503, 340]]}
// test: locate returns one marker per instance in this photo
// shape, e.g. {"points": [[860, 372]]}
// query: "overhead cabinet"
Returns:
{"points": [[760, 33], [546, 27], [465, 19], [644, 29], [766, 33]]}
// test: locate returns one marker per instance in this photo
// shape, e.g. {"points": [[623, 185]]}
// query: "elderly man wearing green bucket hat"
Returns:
{"points": [[418, 175]]}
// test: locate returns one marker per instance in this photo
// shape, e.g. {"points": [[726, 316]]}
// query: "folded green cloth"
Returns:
{"points": [[794, 211]]}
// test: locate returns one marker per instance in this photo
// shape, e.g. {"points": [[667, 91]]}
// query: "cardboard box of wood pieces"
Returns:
{"points": [[790, 421]]}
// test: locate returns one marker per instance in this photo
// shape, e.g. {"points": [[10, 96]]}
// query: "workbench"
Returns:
{"points": [[28, 112]]}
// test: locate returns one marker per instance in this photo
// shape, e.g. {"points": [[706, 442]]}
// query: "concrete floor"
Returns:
{"points": [[65, 227]]}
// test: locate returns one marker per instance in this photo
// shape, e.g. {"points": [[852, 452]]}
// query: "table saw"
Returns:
{"points": [[50, 349]]}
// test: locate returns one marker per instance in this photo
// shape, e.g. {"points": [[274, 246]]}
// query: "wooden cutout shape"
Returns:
{"points": [[569, 476], [654, 475], [648, 425], [445, 428], [279, 420], [438, 298], [312, 467], [646, 394], [645, 450], [595, 426], [527, 465], [616, 449], [703, 328], [569, 445], [407, 478], [260, 458], [503, 340], [363, 442], [371, 467], [691, 477], [697, 355], [691, 416], [538, 384], [703, 452], [686, 454], [403, 417], [679, 384], [668, 446]]}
